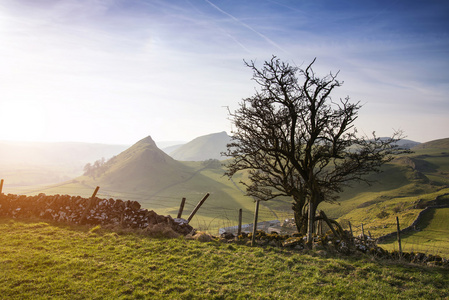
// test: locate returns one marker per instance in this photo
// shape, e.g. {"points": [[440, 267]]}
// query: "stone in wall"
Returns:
{"points": [[78, 210]]}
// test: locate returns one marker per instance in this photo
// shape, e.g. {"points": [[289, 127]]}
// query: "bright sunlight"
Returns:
{"points": [[22, 121]]}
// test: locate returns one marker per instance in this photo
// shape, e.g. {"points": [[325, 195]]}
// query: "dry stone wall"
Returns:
{"points": [[92, 211], [414, 225]]}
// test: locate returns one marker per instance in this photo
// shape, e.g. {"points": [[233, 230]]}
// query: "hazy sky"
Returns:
{"points": [[116, 71]]}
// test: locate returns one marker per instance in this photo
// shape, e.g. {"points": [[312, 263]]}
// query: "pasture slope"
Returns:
{"points": [[144, 173], [41, 260], [407, 186]]}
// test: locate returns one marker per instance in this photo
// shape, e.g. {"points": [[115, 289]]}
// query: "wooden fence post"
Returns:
{"points": [[256, 214], [239, 231], [197, 207], [350, 229], [328, 222], [1, 187], [89, 205], [181, 208], [363, 234], [399, 237], [320, 227]]}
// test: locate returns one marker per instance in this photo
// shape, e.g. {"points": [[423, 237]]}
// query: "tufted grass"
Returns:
{"points": [[432, 238], [40, 261]]}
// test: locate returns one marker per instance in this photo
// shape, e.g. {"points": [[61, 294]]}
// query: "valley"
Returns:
{"points": [[146, 174]]}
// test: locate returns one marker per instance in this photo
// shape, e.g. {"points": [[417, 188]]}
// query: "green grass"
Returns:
{"points": [[433, 237], [393, 194], [219, 210], [435, 144], [41, 261], [26, 175]]}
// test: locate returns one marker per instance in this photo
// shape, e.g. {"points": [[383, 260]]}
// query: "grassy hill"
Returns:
{"points": [[158, 182], [435, 144], [146, 174], [141, 167], [203, 148], [43, 261], [431, 239], [405, 187]]}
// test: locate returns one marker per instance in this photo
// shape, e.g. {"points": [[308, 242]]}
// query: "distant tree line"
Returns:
{"points": [[98, 168]]}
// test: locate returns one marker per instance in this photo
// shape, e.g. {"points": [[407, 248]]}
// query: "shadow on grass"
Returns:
{"points": [[426, 218]]}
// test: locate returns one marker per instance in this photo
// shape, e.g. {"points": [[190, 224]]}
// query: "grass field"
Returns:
{"points": [[43, 261], [433, 237], [421, 176], [220, 210]]}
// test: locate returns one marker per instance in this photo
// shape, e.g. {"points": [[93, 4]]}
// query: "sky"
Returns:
{"points": [[116, 71]]}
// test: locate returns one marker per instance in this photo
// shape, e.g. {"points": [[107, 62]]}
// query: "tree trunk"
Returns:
{"points": [[300, 216], [300, 222], [311, 220]]}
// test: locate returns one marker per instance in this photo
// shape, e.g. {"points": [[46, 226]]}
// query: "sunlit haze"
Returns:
{"points": [[116, 71]]}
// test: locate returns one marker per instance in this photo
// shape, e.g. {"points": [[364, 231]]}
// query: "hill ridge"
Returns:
{"points": [[203, 148], [141, 166]]}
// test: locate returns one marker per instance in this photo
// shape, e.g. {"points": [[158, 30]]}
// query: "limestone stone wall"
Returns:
{"points": [[414, 225], [94, 211]]}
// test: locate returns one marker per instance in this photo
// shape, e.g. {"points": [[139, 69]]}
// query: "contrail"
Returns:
{"points": [[247, 26], [238, 43], [286, 6], [221, 29]]}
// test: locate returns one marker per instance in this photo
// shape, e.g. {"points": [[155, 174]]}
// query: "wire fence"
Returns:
{"points": [[427, 241], [213, 216]]}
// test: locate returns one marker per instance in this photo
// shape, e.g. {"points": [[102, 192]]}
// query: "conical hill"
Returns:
{"points": [[142, 167]]}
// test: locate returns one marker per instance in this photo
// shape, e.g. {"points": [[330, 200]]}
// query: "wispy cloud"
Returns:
{"points": [[136, 68], [267, 39]]}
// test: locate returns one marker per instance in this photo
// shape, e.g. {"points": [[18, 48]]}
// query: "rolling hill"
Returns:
{"points": [[436, 144], [46, 153], [405, 187], [203, 148], [146, 174], [31, 163], [407, 144], [142, 167]]}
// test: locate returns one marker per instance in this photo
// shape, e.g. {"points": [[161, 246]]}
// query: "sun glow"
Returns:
{"points": [[22, 121]]}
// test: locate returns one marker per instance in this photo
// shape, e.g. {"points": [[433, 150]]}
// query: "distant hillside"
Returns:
{"points": [[31, 163], [170, 149], [203, 148], [169, 146], [406, 186], [141, 167], [436, 144], [408, 144], [403, 143], [41, 153], [146, 174]]}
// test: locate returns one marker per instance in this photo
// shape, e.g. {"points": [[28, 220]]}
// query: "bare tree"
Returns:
{"points": [[295, 141]]}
